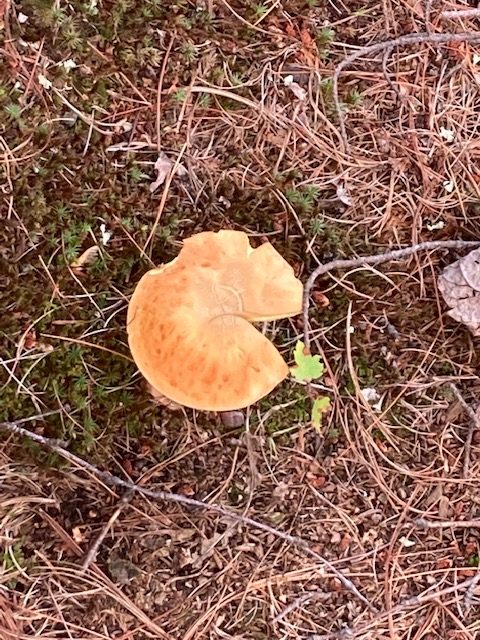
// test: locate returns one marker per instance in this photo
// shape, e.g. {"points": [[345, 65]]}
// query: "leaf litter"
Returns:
{"points": [[371, 499]]}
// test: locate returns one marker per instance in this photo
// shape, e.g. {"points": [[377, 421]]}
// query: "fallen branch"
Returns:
{"points": [[415, 601], [474, 424], [447, 524], [401, 41], [470, 595], [460, 13], [364, 261], [109, 479], [299, 602]]}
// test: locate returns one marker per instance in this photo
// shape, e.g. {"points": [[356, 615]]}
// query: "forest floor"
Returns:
{"points": [[240, 96]]}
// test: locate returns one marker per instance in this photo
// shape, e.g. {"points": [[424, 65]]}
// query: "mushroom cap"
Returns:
{"points": [[189, 321]]}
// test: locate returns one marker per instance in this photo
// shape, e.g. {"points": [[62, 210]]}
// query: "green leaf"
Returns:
{"points": [[307, 367], [320, 406]]}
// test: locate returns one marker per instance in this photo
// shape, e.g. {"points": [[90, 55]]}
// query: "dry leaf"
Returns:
{"points": [[77, 535], [30, 339], [470, 268], [87, 257], [44, 81], [459, 284], [406, 542], [447, 134], [298, 91], [320, 299], [162, 166], [343, 195]]}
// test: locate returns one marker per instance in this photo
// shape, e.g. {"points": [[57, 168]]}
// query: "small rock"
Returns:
{"points": [[232, 419]]}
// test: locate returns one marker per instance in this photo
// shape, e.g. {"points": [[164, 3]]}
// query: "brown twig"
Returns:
{"points": [[401, 41], [163, 199], [300, 601], [460, 13], [470, 595], [446, 524], [428, 14], [405, 605], [92, 552], [474, 425], [166, 496], [159, 92], [374, 260]]}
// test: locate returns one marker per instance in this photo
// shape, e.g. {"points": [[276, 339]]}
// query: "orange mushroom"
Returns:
{"points": [[189, 322]]}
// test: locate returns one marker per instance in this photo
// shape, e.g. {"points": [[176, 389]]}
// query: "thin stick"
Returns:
{"points": [[428, 13], [470, 595], [159, 92], [461, 13], [299, 602], [163, 199], [92, 552], [474, 425], [401, 41], [165, 496], [405, 605], [374, 260], [447, 524]]}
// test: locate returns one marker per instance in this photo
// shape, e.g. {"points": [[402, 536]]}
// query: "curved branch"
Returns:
{"points": [[364, 261]]}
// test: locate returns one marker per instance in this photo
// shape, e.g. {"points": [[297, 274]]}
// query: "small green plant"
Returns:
{"points": [[14, 111], [169, 229], [180, 95], [52, 16], [260, 10], [317, 225], [303, 198], [320, 406], [91, 430], [326, 87], [73, 238], [205, 100], [325, 37], [236, 79], [62, 211], [184, 23], [307, 367], [189, 51], [474, 560], [333, 433], [354, 98], [136, 174], [71, 33], [12, 558], [150, 56]]}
